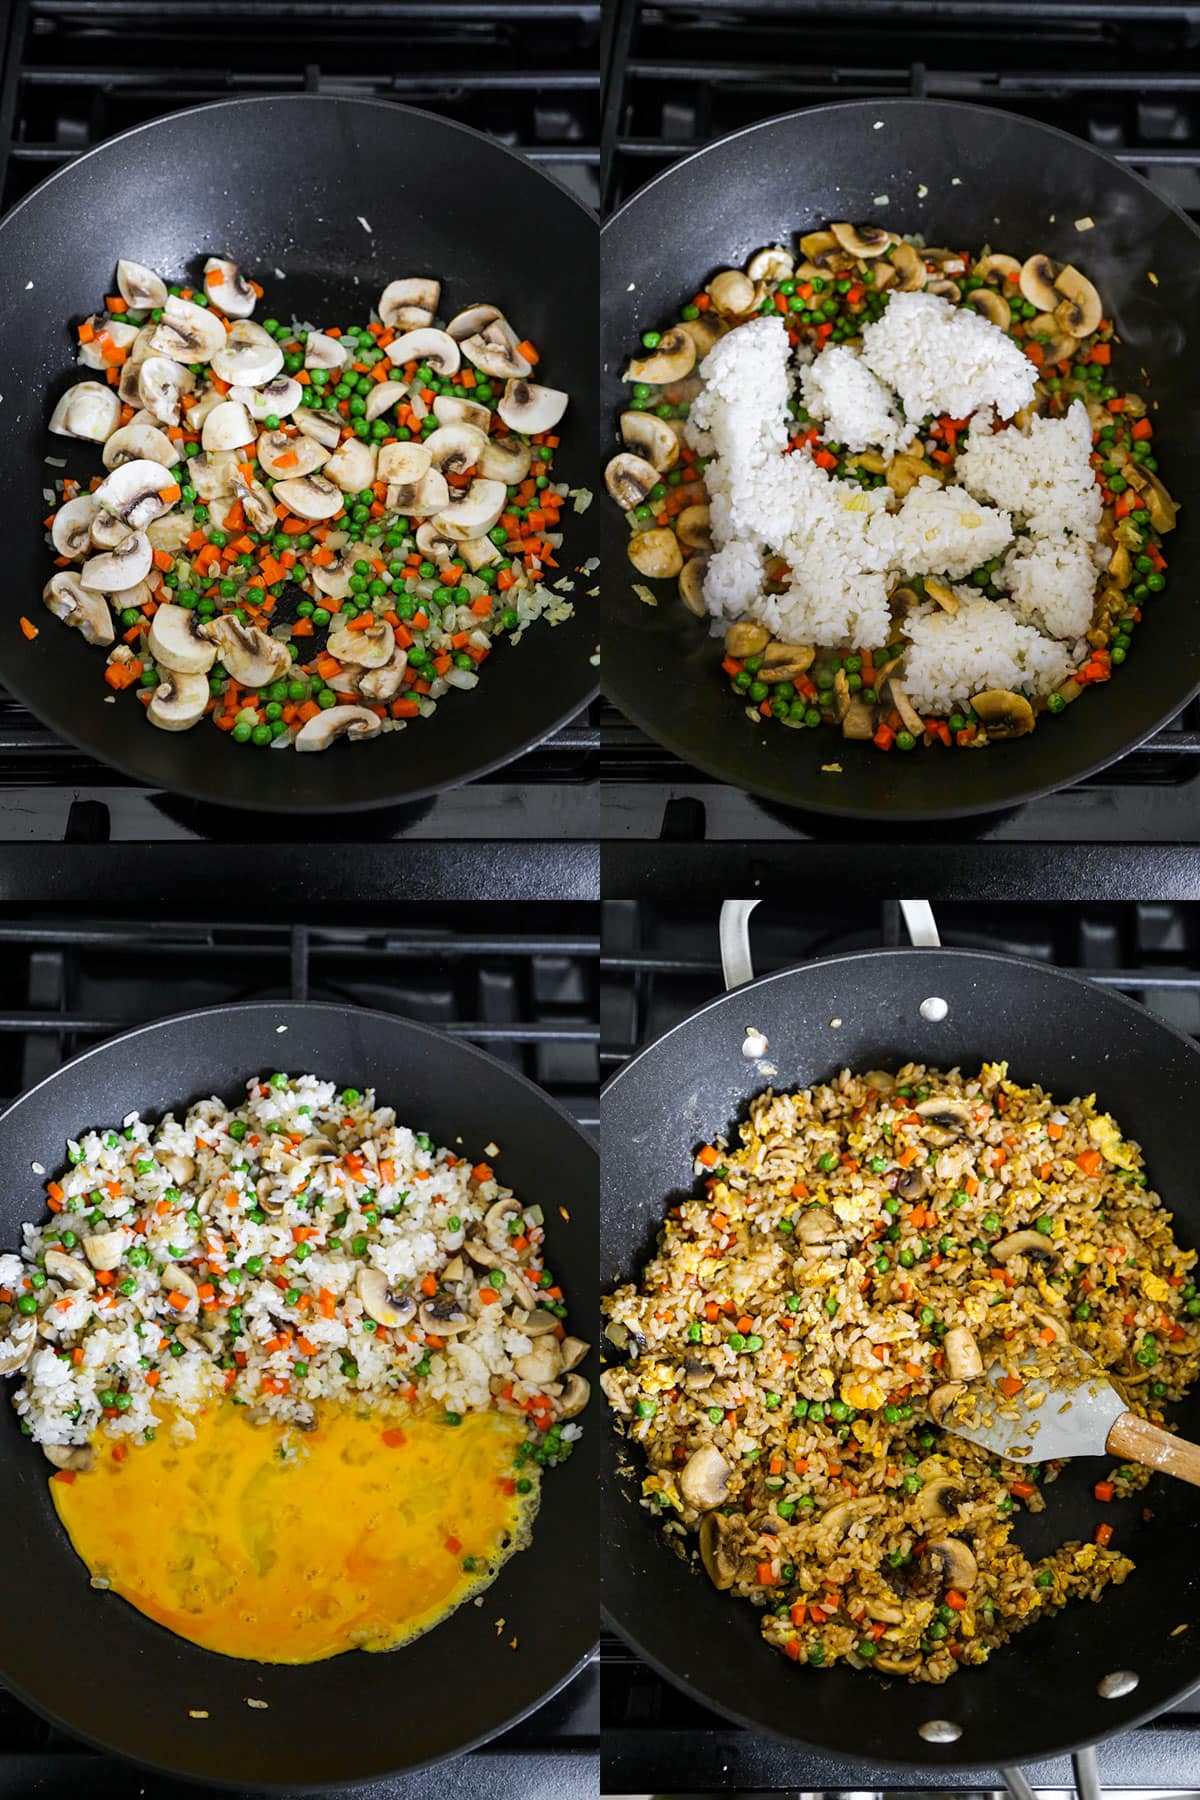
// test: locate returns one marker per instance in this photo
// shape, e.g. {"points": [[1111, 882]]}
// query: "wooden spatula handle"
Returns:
{"points": [[1137, 1440]]}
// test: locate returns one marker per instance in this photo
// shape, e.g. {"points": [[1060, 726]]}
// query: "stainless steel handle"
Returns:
{"points": [[737, 962]]}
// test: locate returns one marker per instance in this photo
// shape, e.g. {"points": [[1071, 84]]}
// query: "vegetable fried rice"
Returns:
{"points": [[868, 1243], [304, 1247]]}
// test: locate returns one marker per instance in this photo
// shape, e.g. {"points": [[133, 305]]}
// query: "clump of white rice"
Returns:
{"points": [[742, 416], [226, 1253], [945, 359], [858, 410], [943, 531], [839, 555], [1042, 476], [1052, 583], [984, 645]]}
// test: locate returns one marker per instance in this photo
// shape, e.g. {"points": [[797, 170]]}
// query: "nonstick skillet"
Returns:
{"points": [[103, 1672], [342, 196], [963, 175], [1044, 1693]]}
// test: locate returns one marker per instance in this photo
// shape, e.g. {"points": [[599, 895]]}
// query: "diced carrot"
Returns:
{"points": [[1090, 1161], [1022, 1489], [765, 1575], [1010, 1385], [954, 1600], [1104, 1535], [488, 1295], [28, 628], [1103, 1490], [482, 1172], [708, 1156]]}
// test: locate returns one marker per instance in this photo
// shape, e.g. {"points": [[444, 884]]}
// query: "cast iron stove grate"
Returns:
{"points": [[659, 963], [525, 990], [74, 72], [1124, 76]]}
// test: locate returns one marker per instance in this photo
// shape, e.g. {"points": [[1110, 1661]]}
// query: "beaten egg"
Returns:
{"points": [[266, 1542]]}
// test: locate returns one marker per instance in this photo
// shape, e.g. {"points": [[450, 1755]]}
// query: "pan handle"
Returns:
{"points": [[737, 963], [1087, 1777]]}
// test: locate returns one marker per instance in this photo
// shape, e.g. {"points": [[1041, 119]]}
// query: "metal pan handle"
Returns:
{"points": [[1086, 1771], [737, 963]]}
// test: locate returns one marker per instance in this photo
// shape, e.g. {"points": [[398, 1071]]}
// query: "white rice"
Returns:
{"points": [[984, 645], [943, 531], [1044, 476], [1052, 582], [945, 359], [857, 409]]}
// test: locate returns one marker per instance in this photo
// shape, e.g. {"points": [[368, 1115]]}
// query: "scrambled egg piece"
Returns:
{"points": [[864, 1395], [1104, 1134], [1155, 1288]]}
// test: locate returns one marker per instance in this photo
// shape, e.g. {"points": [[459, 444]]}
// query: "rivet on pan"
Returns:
{"points": [[754, 1044], [940, 1731], [1118, 1684], [934, 1009]]}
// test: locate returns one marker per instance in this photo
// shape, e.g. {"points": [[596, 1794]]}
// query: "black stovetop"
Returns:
{"points": [[521, 982], [74, 72], [660, 962], [1121, 74]]}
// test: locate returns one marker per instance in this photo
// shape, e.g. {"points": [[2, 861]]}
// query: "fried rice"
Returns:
{"points": [[868, 1242]]}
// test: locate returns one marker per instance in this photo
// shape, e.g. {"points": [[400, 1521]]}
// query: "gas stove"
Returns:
{"points": [[1122, 76], [521, 983], [660, 962], [74, 72]]}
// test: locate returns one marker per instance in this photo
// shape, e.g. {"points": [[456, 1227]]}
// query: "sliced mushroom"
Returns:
{"points": [[175, 643], [78, 1457], [87, 410], [529, 408], [352, 466], [370, 648], [382, 1305], [942, 1399], [187, 332], [817, 1225], [88, 613], [278, 398], [311, 497], [1006, 267], [862, 240], [403, 464], [71, 1271], [954, 1562], [138, 443], [228, 288], [213, 477], [629, 479], [71, 533], [576, 1392], [912, 1183], [249, 654], [784, 662], [107, 335], [455, 448], [257, 504], [134, 493], [936, 590], [963, 1360], [940, 1498], [859, 722], [496, 351], [697, 1376], [122, 567], [673, 357], [718, 1550], [746, 639], [443, 1316], [179, 1167], [652, 439], [731, 292], [452, 409], [1003, 714], [905, 470], [950, 1117], [1162, 509], [382, 397], [539, 1365], [324, 352], [704, 1478], [625, 1337], [287, 458], [1025, 1243], [410, 301], [161, 385], [1080, 311], [17, 1348], [139, 287], [538, 1323], [351, 722], [180, 701], [474, 510], [773, 263], [437, 350], [104, 1249], [248, 356], [692, 528], [691, 585], [837, 1519], [910, 267], [656, 553], [424, 500], [1037, 280], [324, 428], [228, 427], [944, 289], [572, 1351], [909, 716], [704, 333], [992, 305], [887, 1664]]}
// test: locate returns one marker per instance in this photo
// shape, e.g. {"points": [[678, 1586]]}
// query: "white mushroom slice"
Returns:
{"points": [[370, 648], [334, 578], [277, 399], [428, 496], [477, 553], [175, 643], [179, 1167], [674, 356], [311, 497], [325, 428], [449, 409], [505, 459], [139, 287], [472, 320], [112, 334], [474, 512], [134, 492], [79, 1457], [228, 427], [455, 448], [250, 656], [540, 1365], [656, 553], [352, 722], [324, 352], [436, 349], [494, 350], [772, 264], [87, 410], [121, 567], [248, 356], [286, 458], [385, 683], [161, 385], [650, 437], [403, 463], [383, 395], [257, 504], [187, 332], [171, 533], [437, 546], [416, 403], [134, 442], [129, 392], [16, 1349], [179, 701], [72, 1271], [66, 597], [104, 1249], [413, 300], [228, 288], [352, 467], [528, 408], [386, 1308], [108, 530], [71, 532], [629, 479], [213, 476], [732, 293]]}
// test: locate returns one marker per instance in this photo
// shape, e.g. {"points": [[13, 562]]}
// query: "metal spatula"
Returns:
{"points": [[1067, 1407]]}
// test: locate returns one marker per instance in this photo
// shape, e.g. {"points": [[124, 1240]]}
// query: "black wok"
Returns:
{"points": [[281, 183], [103, 1672], [1038, 1697], [789, 175]]}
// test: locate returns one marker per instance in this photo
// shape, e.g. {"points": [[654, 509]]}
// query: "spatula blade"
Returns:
{"points": [[1058, 1415]]}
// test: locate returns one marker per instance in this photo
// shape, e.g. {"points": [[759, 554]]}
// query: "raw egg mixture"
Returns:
{"points": [[265, 1542]]}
